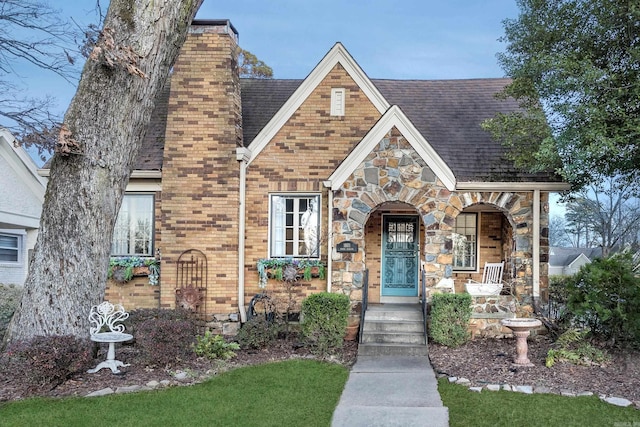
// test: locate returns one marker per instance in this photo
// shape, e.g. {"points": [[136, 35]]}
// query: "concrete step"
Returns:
{"points": [[393, 326], [394, 337], [391, 314], [392, 349]]}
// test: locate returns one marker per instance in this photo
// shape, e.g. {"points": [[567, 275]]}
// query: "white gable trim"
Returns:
{"points": [[581, 256], [337, 55], [22, 164], [393, 117]]}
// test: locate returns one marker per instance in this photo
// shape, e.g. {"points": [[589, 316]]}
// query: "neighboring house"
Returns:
{"points": [[21, 197], [373, 178], [567, 261]]}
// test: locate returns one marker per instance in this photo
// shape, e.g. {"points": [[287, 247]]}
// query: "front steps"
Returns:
{"points": [[393, 330]]}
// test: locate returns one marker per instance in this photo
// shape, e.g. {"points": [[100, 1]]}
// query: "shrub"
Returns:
{"points": [[325, 321], [165, 342], [450, 314], [572, 346], [9, 300], [604, 297], [44, 362], [215, 347], [257, 332], [140, 315]]}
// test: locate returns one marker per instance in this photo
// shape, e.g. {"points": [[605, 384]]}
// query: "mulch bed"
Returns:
{"points": [[137, 374], [482, 361], [489, 361]]}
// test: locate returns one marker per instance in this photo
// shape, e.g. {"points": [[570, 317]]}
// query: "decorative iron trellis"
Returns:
{"points": [[191, 282]]}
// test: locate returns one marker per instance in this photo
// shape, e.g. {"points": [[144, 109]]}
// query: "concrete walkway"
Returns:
{"points": [[391, 391]]}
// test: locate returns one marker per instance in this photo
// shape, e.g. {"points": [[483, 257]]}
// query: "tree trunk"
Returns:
{"points": [[107, 119]]}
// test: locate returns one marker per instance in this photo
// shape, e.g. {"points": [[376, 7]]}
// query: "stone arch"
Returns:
{"points": [[517, 209], [392, 173]]}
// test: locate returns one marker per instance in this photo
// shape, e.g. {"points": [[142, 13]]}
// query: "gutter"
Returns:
{"points": [[242, 156]]}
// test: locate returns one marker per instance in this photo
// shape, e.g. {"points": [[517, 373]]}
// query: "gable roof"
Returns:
{"points": [[19, 174], [337, 55], [394, 117], [563, 257], [447, 113]]}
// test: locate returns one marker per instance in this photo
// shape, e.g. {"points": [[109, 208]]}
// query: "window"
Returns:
{"points": [[294, 224], [133, 233], [10, 248], [465, 238], [337, 101]]}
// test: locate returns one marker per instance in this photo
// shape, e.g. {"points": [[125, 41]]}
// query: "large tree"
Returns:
{"points": [[575, 65], [604, 215], [99, 141]]}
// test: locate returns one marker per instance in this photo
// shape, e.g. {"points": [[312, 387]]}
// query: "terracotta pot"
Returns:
{"points": [[352, 333]]}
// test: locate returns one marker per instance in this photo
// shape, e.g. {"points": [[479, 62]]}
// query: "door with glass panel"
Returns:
{"points": [[400, 256]]}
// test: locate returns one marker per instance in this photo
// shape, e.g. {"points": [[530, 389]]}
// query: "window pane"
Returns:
{"points": [[133, 233], [464, 242], [294, 225], [9, 248]]}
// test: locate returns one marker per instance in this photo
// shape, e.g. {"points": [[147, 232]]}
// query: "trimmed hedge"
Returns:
{"points": [[324, 321], [450, 314]]}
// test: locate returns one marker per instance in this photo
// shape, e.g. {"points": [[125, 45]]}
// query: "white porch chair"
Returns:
{"points": [[104, 328], [491, 283]]}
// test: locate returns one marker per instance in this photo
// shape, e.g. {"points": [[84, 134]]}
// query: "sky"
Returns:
{"points": [[390, 39]]}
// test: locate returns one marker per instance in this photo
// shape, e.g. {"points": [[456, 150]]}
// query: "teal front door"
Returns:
{"points": [[400, 256]]}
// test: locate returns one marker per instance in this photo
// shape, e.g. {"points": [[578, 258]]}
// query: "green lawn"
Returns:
{"points": [[505, 408], [300, 393], [291, 393]]}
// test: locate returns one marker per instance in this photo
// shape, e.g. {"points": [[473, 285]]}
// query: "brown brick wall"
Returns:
{"points": [[301, 155], [136, 293], [200, 172]]}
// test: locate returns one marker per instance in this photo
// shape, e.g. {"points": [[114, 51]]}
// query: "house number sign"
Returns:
{"points": [[347, 247]]}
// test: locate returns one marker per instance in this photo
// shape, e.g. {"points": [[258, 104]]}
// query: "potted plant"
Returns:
{"points": [[123, 269]]}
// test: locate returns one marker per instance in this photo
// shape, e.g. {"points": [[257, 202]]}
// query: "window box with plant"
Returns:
{"points": [[273, 268], [124, 269]]}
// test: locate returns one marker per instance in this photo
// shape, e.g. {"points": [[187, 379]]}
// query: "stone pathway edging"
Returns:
{"points": [[527, 389], [181, 378]]}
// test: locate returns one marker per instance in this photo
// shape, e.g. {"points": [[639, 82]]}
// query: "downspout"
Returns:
{"points": [[327, 185], [536, 246], [242, 155]]}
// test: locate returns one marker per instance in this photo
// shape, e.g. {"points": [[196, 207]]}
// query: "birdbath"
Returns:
{"points": [[521, 328]]}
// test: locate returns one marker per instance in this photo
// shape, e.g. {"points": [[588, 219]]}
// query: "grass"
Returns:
{"points": [[295, 392], [504, 408], [300, 393]]}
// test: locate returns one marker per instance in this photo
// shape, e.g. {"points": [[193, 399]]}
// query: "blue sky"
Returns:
{"points": [[392, 39], [395, 39]]}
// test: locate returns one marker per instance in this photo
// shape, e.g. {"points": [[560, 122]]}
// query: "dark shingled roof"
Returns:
{"points": [[150, 155], [261, 100], [448, 113]]}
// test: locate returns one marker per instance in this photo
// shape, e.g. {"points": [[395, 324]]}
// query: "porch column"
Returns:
{"points": [[327, 185], [536, 245]]}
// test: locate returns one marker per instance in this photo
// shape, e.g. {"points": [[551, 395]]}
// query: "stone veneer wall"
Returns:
{"points": [[200, 176], [395, 173]]}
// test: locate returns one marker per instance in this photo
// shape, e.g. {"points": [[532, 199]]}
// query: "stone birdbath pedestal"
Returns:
{"points": [[521, 328]]}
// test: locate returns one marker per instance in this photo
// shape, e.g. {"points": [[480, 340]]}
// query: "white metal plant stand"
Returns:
{"points": [[103, 320]]}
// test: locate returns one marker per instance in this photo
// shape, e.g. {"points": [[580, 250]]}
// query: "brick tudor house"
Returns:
{"points": [[236, 170]]}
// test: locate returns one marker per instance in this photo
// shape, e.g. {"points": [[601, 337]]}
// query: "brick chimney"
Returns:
{"points": [[200, 176]]}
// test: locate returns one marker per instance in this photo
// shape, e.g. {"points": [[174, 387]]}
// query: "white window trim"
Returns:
{"points": [[270, 226], [477, 267], [338, 101], [21, 235], [153, 226]]}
